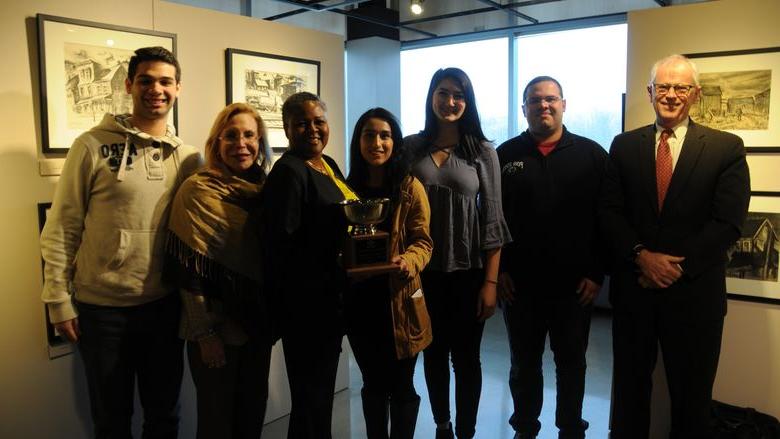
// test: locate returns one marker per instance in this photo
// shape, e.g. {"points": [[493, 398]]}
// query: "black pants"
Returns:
{"points": [[528, 321], [120, 344], [690, 344], [370, 333], [452, 305], [312, 359], [232, 399]]}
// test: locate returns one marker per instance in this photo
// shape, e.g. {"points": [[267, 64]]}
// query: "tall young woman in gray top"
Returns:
{"points": [[460, 172]]}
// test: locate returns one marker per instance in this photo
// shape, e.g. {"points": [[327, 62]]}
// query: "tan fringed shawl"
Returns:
{"points": [[214, 225]]}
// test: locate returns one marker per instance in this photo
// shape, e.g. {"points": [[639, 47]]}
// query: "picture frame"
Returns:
{"points": [[752, 268], [83, 67], [736, 93], [57, 345], [264, 81], [763, 164]]}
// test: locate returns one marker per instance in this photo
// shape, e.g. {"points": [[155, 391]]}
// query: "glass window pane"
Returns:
{"points": [[590, 64], [486, 64]]}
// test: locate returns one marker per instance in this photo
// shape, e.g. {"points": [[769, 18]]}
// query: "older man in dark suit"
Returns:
{"points": [[674, 199]]}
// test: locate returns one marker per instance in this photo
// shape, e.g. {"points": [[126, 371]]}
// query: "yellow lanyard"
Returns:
{"points": [[348, 193]]}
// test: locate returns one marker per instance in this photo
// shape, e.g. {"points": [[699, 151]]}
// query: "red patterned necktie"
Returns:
{"points": [[663, 166]]}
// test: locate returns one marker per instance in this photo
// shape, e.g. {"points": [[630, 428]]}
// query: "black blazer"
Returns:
{"points": [[703, 212]]}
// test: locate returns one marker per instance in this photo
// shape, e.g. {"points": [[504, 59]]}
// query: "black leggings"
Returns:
{"points": [[370, 333], [452, 305]]}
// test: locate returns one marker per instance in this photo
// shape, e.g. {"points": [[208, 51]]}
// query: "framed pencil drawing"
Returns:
{"points": [[736, 94], [56, 343], [264, 81], [83, 67], [752, 269], [764, 177]]}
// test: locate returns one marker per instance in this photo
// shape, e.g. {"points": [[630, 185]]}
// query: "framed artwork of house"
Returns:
{"points": [[752, 269], [265, 81], [83, 67]]}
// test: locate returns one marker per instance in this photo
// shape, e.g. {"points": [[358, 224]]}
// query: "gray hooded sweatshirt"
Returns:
{"points": [[104, 238]]}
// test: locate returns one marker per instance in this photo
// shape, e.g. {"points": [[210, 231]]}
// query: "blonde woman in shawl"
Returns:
{"points": [[214, 237]]}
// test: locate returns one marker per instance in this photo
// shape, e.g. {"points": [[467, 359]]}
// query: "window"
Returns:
{"points": [[486, 63], [590, 64]]}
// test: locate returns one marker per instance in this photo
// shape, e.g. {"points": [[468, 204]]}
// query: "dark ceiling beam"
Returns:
{"points": [[477, 11], [313, 6], [292, 12], [309, 6], [382, 23], [246, 8], [510, 11]]}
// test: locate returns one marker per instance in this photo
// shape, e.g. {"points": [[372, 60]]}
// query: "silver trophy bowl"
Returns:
{"points": [[364, 215]]}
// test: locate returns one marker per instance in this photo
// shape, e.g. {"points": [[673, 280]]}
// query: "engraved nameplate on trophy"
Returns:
{"points": [[367, 249]]}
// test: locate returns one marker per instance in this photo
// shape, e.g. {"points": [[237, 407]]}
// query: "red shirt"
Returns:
{"points": [[546, 148]]}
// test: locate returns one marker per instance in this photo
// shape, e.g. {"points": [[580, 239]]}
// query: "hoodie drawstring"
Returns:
{"points": [[120, 176]]}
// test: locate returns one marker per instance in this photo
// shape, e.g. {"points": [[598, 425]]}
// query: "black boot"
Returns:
{"points": [[445, 433], [403, 418], [375, 414]]}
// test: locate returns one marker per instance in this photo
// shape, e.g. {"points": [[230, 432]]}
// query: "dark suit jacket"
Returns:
{"points": [[702, 215]]}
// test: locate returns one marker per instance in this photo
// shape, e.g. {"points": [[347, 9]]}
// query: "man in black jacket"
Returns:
{"points": [[551, 272]]}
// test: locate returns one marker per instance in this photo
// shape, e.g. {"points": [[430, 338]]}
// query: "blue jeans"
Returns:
{"points": [[119, 344]]}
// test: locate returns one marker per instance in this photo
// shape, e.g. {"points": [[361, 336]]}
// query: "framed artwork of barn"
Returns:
{"points": [[736, 94], [83, 67]]}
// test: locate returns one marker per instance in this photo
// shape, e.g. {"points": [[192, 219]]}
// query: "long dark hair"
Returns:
{"points": [[396, 169], [469, 127]]}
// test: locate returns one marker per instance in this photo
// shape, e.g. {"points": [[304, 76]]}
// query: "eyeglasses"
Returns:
{"points": [[235, 136], [679, 89], [536, 100]]}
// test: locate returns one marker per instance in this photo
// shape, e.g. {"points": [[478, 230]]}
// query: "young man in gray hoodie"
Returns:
{"points": [[103, 247]]}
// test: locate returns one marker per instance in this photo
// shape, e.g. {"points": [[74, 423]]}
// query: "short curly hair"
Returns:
{"points": [[156, 53]]}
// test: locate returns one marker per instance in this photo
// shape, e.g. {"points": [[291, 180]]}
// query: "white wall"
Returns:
{"points": [[749, 372], [42, 398]]}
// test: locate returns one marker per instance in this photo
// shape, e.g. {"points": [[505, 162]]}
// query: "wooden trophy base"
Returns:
{"points": [[374, 269], [368, 254]]}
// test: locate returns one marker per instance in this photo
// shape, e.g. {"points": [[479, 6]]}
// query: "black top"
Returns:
{"points": [[304, 230], [551, 207]]}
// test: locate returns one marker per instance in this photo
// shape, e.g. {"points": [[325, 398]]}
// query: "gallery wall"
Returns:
{"points": [[44, 398], [749, 372]]}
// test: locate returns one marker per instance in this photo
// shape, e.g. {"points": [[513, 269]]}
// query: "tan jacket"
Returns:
{"points": [[410, 238]]}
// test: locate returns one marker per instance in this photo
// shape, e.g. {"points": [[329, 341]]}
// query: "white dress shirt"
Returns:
{"points": [[675, 140]]}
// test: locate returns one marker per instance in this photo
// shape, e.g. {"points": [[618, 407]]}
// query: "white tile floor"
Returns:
{"points": [[496, 404]]}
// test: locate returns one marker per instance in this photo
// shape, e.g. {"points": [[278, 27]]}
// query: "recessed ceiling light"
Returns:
{"points": [[416, 7]]}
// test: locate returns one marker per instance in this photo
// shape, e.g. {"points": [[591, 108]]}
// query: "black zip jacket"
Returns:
{"points": [[550, 204]]}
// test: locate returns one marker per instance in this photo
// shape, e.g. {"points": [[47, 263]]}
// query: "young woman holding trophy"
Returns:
{"points": [[386, 315]]}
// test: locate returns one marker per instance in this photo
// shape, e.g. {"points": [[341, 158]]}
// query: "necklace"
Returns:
{"points": [[319, 167]]}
